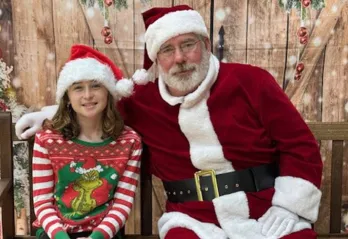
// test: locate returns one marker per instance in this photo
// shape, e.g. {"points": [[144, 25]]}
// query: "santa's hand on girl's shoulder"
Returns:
{"points": [[30, 123]]}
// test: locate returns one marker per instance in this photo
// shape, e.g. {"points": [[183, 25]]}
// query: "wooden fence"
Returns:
{"points": [[36, 36]]}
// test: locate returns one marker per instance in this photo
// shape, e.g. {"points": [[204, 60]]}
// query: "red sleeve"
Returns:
{"points": [[43, 188], [298, 149], [297, 188]]}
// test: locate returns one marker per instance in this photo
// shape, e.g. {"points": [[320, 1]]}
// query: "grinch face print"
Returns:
{"points": [[84, 186]]}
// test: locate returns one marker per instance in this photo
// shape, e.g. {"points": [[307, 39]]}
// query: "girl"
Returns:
{"points": [[85, 161]]}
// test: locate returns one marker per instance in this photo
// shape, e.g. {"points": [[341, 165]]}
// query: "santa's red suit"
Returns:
{"points": [[237, 118]]}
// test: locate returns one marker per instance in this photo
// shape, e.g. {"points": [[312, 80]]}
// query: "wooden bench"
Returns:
{"points": [[7, 136], [335, 132], [6, 173]]}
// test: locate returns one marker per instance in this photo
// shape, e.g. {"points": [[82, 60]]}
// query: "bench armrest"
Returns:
{"points": [[5, 186]]}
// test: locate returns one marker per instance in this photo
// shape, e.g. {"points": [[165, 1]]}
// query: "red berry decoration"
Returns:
{"points": [[3, 107], [306, 3], [300, 67], [108, 39], [297, 76], [108, 2], [106, 31], [302, 32], [304, 40]]}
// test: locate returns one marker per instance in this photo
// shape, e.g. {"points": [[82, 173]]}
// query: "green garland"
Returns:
{"points": [[118, 4], [289, 4]]}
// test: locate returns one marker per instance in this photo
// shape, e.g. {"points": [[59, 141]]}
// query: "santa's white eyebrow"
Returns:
{"points": [[184, 41]]}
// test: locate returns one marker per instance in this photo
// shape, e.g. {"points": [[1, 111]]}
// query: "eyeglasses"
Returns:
{"points": [[185, 47]]}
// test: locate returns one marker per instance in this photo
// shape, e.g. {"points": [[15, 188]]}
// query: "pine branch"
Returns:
{"points": [[303, 13], [297, 4], [281, 3], [287, 5], [101, 5], [119, 4], [145, 1], [318, 4]]}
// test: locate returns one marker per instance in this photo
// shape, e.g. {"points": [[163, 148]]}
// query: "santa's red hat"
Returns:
{"points": [[86, 63], [164, 23]]}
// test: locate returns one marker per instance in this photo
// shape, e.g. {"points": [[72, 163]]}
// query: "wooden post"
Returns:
{"points": [[221, 43], [6, 167]]}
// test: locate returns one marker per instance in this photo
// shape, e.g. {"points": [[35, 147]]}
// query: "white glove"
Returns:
{"points": [[278, 222], [30, 123]]}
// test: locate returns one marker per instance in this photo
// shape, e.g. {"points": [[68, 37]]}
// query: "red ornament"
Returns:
{"points": [[302, 32], [306, 3], [297, 76], [106, 31], [3, 106], [304, 40], [108, 2], [300, 67], [108, 39]]}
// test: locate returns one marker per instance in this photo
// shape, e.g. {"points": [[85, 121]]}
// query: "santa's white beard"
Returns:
{"points": [[186, 83]]}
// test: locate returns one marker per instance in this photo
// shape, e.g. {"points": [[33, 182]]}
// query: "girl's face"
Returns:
{"points": [[88, 99]]}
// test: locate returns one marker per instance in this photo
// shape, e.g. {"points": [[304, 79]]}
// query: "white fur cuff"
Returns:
{"points": [[232, 211], [298, 196], [176, 219], [231, 205]]}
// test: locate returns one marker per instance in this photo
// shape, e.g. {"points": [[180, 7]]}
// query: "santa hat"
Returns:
{"points": [[86, 63], [89, 170], [161, 24]]}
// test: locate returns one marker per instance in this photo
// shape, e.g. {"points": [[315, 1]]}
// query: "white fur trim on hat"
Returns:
{"points": [[85, 69], [172, 25]]}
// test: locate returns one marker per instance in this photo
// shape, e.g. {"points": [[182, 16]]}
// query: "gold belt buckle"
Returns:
{"points": [[212, 174]]}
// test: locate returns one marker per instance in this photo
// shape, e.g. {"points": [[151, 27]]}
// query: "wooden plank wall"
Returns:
{"points": [[256, 32], [6, 36]]}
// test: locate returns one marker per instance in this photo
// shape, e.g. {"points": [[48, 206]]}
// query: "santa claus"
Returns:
{"points": [[235, 157]]}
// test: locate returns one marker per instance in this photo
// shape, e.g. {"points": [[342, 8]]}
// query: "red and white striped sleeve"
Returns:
{"points": [[123, 197], [43, 188]]}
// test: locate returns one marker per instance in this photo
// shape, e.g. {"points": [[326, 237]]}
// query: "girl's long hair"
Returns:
{"points": [[66, 123]]}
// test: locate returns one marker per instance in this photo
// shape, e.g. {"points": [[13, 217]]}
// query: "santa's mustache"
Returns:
{"points": [[182, 67]]}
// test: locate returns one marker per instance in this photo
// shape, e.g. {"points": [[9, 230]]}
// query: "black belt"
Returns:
{"points": [[248, 180]]}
